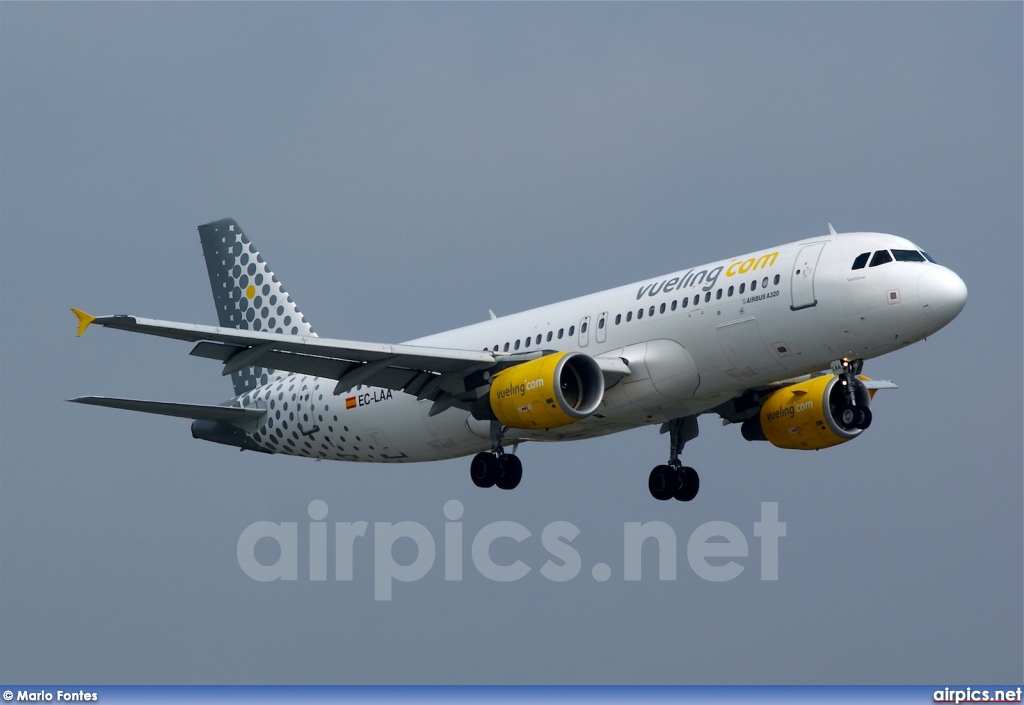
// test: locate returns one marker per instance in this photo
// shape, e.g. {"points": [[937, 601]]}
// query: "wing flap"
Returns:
{"points": [[387, 376], [293, 362], [210, 412]]}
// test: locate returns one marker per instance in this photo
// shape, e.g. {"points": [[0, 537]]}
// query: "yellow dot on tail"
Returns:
{"points": [[250, 291]]}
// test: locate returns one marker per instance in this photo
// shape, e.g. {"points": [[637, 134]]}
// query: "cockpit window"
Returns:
{"points": [[928, 257], [881, 257], [861, 261], [907, 256]]}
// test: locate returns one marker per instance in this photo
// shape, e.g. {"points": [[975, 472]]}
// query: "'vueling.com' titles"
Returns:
{"points": [[707, 277]]}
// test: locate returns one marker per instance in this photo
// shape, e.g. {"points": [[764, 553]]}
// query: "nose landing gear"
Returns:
{"points": [[850, 414], [672, 480]]}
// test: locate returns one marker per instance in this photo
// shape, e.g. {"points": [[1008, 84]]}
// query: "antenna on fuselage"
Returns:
{"points": [[831, 230]]}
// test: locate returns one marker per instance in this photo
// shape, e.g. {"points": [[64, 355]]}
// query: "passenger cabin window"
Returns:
{"points": [[662, 309], [550, 335], [583, 327], [731, 289], [572, 331], [517, 345], [526, 343], [753, 285], [651, 312], [777, 279], [861, 261], [629, 316], [600, 324], [674, 303], [743, 287], [506, 347], [561, 331], [538, 339], [639, 314], [707, 297], [618, 318], [686, 301], [880, 257], [764, 283], [907, 256]]}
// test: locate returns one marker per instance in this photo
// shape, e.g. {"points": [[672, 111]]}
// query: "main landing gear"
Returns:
{"points": [[675, 479], [496, 467]]}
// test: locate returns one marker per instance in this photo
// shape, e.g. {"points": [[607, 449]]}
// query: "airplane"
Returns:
{"points": [[773, 340]]}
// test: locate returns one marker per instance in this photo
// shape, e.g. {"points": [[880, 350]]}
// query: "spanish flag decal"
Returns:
{"points": [[350, 403]]}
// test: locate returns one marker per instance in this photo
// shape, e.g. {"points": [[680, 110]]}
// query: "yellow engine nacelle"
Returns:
{"points": [[811, 415], [551, 391]]}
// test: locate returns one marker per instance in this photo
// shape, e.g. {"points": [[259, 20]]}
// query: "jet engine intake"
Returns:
{"points": [[811, 415], [551, 391]]}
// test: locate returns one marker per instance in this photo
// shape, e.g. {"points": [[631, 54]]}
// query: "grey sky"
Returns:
{"points": [[403, 168]]}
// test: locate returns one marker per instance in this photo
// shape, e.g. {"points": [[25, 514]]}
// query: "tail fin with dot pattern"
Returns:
{"points": [[248, 296]]}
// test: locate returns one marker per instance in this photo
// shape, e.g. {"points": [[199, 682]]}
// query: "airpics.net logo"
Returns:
{"points": [[714, 550]]}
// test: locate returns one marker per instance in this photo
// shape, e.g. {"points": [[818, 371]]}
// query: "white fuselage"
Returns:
{"points": [[692, 339]]}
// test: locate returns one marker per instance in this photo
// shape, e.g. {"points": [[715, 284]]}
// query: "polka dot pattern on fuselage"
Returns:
{"points": [[248, 295]]}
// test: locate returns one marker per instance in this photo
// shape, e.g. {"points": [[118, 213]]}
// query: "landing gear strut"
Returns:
{"points": [[495, 467], [675, 479], [850, 414]]}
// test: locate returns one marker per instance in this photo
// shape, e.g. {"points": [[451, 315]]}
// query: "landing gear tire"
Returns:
{"points": [[510, 472], [484, 469], [675, 480], [663, 482], [851, 414], [855, 417], [864, 417], [689, 484]]}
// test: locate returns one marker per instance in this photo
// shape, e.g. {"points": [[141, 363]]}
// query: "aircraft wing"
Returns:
{"points": [[439, 374]]}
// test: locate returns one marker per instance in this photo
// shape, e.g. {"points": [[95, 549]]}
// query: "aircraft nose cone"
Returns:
{"points": [[942, 294]]}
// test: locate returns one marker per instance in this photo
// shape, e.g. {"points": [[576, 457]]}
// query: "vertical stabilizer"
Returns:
{"points": [[248, 296]]}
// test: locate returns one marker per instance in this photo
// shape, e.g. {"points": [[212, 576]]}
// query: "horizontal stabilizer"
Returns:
{"points": [[209, 412]]}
